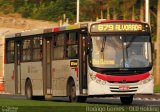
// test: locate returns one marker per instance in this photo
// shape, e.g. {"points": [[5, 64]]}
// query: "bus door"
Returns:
{"points": [[47, 62], [17, 67], [83, 63]]}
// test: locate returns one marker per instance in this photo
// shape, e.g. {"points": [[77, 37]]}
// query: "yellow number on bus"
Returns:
{"points": [[100, 27]]}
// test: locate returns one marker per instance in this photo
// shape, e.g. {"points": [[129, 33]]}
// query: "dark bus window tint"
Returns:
{"points": [[72, 39], [37, 48], [10, 45], [59, 40], [26, 44], [10, 51], [58, 49], [72, 51], [37, 42], [26, 50], [72, 46]]}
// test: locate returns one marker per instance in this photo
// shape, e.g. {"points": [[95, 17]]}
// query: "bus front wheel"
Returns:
{"points": [[28, 90], [126, 100], [72, 94]]}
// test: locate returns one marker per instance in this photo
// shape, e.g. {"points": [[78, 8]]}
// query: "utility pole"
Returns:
{"points": [[147, 11], [77, 11]]}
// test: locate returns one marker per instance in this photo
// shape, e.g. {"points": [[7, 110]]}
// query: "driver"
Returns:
{"points": [[137, 60]]}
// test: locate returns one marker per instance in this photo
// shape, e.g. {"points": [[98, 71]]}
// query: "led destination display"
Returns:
{"points": [[118, 27]]}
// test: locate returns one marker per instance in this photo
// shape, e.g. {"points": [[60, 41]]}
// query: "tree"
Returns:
{"points": [[142, 10], [17, 4], [115, 4], [126, 7], [89, 10]]}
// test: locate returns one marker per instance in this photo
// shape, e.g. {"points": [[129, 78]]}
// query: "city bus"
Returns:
{"points": [[89, 59]]}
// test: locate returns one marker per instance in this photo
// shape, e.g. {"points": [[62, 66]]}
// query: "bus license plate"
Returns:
{"points": [[123, 88]]}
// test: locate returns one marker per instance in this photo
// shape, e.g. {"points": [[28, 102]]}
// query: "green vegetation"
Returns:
{"points": [[12, 105], [53, 10], [41, 106], [6, 6], [47, 106], [16, 102], [157, 89]]}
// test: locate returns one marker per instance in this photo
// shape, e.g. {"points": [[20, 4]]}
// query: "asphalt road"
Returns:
{"points": [[138, 101]]}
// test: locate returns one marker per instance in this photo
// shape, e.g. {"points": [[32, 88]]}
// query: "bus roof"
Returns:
{"points": [[116, 21], [43, 30], [63, 28]]}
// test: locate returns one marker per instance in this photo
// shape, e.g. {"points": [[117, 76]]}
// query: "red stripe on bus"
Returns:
{"points": [[5, 58], [12, 77], [55, 29], [110, 21], [129, 78], [76, 70]]}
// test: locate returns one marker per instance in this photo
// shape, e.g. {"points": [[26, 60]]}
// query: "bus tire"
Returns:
{"points": [[72, 91], [127, 100], [82, 99], [72, 94], [28, 90]]}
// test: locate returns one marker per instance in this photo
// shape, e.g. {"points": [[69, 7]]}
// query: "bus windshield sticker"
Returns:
{"points": [[103, 62]]}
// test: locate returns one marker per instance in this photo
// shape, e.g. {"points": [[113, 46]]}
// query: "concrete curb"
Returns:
{"points": [[155, 96]]}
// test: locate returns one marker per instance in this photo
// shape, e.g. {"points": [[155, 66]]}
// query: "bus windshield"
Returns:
{"points": [[127, 51]]}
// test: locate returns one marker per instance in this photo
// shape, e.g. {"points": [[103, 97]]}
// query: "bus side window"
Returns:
{"points": [[26, 50], [58, 47], [37, 48], [10, 51], [72, 45]]}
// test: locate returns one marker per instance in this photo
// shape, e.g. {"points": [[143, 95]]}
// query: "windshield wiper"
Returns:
{"points": [[103, 44], [131, 41]]}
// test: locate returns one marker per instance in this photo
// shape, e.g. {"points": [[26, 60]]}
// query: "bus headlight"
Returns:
{"points": [[146, 80]]}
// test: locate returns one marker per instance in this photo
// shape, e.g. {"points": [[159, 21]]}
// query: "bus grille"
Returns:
{"points": [[130, 89]]}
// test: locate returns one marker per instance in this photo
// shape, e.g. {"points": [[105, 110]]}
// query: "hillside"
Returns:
{"points": [[14, 22]]}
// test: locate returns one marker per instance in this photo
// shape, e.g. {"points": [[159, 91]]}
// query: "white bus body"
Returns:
{"points": [[56, 74]]}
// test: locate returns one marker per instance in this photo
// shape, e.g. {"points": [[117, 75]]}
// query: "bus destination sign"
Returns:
{"points": [[118, 27]]}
